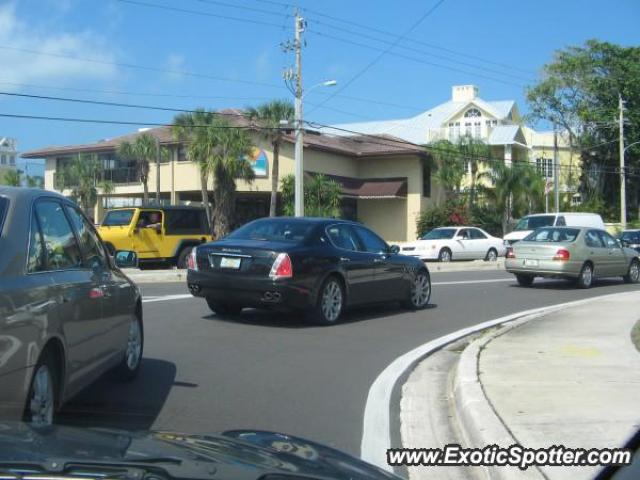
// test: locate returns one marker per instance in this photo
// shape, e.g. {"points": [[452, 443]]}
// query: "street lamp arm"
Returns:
{"points": [[630, 145], [327, 83]]}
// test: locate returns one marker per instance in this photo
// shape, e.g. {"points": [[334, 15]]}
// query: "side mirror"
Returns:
{"points": [[126, 259], [394, 249]]}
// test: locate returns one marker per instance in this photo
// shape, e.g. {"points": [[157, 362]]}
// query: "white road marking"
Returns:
{"points": [[165, 298], [376, 424], [470, 282]]}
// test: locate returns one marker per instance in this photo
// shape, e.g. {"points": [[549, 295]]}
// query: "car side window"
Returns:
{"points": [[371, 242], [560, 222], [149, 218], [608, 240], [343, 236], [35, 259], [477, 234], [90, 244], [464, 233], [593, 240], [61, 248]]}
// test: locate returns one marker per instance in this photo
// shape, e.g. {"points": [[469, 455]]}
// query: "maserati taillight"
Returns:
{"points": [[192, 263], [281, 267]]}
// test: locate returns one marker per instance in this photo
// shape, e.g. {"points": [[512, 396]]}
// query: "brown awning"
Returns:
{"points": [[389, 187]]}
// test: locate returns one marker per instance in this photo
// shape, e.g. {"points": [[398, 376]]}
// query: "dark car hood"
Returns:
{"points": [[238, 454]]}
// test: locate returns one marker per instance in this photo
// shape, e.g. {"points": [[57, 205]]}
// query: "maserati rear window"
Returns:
{"points": [[553, 235]]}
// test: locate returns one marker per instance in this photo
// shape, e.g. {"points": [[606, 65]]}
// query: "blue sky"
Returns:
{"points": [[499, 45]]}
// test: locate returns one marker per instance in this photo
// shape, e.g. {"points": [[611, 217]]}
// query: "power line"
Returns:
{"points": [[382, 54], [201, 13], [241, 7], [412, 40], [422, 52]]}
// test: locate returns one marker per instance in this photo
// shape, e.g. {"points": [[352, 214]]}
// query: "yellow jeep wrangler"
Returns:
{"points": [[162, 235]]}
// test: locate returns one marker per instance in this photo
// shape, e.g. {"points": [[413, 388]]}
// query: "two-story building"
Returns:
{"points": [[385, 183], [8, 155]]}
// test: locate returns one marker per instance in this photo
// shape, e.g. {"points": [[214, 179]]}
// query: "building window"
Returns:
{"points": [[456, 130], [12, 160], [576, 199], [494, 122], [3, 159], [472, 113], [545, 167], [182, 154], [467, 129], [477, 129], [426, 179]]}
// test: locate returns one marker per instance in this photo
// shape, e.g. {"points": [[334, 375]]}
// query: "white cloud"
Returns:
{"points": [[20, 66], [174, 63], [263, 65]]}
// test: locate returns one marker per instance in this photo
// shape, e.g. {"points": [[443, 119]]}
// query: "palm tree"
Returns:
{"points": [[81, 176], [270, 115], [13, 178], [107, 188], [34, 181], [450, 168], [512, 188], [475, 152], [189, 129], [322, 196], [226, 149], [144, 150]]}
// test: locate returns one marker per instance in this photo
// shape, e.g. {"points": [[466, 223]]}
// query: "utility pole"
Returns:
{"points": [[157, 171], [623, 186], [299, 168], [556, 179]]}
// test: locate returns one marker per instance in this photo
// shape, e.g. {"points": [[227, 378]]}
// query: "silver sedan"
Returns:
{"points": [[581, 254]]}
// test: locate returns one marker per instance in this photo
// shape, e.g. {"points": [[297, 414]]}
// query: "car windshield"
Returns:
{"points": [[440, 234], [117, 218], [274, 230], [533, 222], [553, 235], [630, 237]]}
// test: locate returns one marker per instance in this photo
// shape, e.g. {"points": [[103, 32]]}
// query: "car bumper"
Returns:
{"points": [[249, 292], [545, 268]]}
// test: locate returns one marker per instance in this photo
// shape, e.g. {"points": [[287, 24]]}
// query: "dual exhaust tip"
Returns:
{"points": [[273, 297]]}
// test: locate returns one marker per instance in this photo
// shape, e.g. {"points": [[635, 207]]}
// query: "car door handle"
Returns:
{"points": [[378, 260], [345, 259]]}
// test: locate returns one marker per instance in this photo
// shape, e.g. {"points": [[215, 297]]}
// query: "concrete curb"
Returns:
{"points": [[160, 276], [476, 419]]}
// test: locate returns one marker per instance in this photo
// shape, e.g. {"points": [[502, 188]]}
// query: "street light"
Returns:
{"points": [[299, 170]]}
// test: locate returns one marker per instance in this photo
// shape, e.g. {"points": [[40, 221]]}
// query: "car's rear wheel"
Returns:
{"points": [[492, 255], [181, 261], [130, 364], [444, 255], [330, 302], [224, 309], [420, 291], [524, 280], [585, 279], [43, 399], [633, 275]]}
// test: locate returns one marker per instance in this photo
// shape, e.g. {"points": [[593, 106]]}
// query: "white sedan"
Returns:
{"points": [[455, 243]]}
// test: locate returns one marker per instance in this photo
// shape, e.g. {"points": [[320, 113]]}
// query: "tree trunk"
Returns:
{"points": [[205, 199], [273, 206], [472, 190], [224, 197], [144, 178]]}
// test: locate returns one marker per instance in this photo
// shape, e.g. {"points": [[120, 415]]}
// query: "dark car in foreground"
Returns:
{"points": [[67, 313], [92, 454], [631, 239], [316, 265], [577, 253]]}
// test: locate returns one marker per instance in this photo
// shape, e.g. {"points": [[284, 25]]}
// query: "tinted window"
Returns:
{"points": [[184, 222], [477, 234], [531, 223], [35, 259], [89, 243], [593, 240], [275, 230], [631, 237], [4, 205], [343, 236], [149, 217], [608, 240], [370, 241], [117, 218], [560, 222], [62, 251], [440, 234], [553, 235]]}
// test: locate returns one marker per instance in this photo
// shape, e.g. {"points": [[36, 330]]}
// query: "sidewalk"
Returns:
{"points": [[570, 377], [174, 275]]}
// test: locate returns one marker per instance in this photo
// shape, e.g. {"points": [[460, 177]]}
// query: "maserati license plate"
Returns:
{"points": [[230, 262]]}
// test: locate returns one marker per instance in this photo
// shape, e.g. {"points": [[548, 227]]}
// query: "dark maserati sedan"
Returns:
{"points": [[316, 265], [67, 313]]}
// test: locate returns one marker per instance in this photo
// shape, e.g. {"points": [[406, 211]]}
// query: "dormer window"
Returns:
{"points": [[472, 113]]}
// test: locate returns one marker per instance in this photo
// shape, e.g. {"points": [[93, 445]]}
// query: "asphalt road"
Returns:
{"points": [[202, 373]]}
